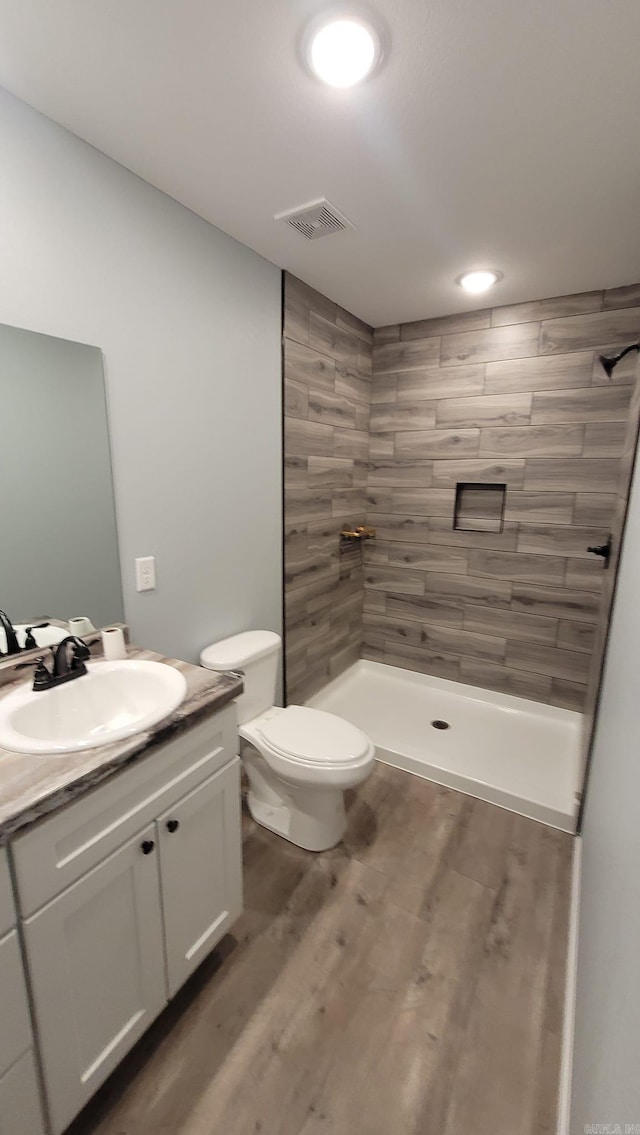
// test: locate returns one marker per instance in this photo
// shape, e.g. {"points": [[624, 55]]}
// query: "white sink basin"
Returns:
{"points": [[111, 701]]}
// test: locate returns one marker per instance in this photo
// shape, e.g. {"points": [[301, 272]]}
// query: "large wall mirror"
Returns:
{"points": [[59, 548]]}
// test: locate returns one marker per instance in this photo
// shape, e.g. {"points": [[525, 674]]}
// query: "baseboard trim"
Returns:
{"points": [[568, 1026]]}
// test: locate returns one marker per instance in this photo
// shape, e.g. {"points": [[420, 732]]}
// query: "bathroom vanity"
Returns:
{"points": [[120, 870]]}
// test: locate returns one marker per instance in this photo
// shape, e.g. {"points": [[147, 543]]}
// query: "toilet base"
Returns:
{"points": [[315, 820]]}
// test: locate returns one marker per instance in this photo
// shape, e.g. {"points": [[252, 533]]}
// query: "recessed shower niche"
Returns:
{"points": [[479, 507]]}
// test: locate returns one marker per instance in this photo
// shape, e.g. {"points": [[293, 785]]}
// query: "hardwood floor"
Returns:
{"points": [[410, 982]]}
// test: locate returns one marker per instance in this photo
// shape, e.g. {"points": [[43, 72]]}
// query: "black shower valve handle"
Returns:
{"points": [[603, 550]]}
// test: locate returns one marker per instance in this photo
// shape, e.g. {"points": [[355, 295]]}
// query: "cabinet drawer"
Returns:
{"points": [[15, 1024], [7, 906], [60, 850], [20, 1106]]}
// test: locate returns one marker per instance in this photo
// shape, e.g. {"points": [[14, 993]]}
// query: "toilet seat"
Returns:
{"points": [[314, 737]]}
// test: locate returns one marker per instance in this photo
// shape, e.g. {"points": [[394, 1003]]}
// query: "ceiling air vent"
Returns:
{"points": [[316, 219]]}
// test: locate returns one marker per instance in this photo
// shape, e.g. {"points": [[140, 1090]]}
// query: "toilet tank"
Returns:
{"points": [[257, 654]]}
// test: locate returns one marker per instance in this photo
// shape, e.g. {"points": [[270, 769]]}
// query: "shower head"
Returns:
{"points": [[608, 364]]}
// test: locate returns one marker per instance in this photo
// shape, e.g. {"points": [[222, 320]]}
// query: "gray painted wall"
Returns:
{"points": [[188, 321], [606, 1074], [57, 515]]}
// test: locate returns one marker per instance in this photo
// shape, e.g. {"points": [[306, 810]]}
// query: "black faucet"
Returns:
{"points": [[30, 642], [13, 647], [68, 663], [69, 659]]}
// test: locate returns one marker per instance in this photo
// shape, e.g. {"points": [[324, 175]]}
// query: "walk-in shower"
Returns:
{"points": [[491, 453]]}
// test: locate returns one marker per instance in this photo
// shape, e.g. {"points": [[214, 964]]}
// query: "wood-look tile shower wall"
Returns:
{"points": [[512, 395], [327, 394]]}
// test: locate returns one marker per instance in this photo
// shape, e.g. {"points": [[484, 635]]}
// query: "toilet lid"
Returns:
{"points": [[313, 735]]}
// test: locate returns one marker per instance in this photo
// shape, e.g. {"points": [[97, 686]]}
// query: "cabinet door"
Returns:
{"points": [[20, 1107], [200, 871], [97, 972]]}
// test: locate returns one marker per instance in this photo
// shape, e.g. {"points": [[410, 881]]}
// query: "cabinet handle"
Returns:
{"points": [[147, 846], [173, 825]]}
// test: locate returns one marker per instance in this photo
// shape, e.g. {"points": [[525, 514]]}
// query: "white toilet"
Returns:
{"points": [[299, 761]]}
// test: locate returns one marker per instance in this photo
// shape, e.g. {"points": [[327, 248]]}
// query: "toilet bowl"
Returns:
{"points": [[299, 761]]}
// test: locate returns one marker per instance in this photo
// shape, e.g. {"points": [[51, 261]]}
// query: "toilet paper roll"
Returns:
{"points": [[113, 644], [80, 625]]}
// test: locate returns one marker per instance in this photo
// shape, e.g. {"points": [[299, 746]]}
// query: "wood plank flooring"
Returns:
{"points": [[410, 982]]}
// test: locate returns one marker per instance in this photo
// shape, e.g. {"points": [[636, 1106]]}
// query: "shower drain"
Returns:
{"points": [[438, 724]]}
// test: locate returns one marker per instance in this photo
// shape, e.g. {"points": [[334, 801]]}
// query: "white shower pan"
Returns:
{"points": [[509, 751]]}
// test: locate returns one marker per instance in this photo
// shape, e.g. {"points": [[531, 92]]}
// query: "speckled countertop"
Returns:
{"points": [[33, 787]]}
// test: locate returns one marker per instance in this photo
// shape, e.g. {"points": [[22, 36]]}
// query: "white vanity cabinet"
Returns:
{"points": [[123, 893], [20, 1107]]}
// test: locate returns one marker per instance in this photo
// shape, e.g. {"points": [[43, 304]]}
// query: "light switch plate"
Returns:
{"points": [[145, 573]]}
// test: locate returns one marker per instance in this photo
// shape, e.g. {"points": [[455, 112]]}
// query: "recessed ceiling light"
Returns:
{"points": [[342, 52], [478, 281]]}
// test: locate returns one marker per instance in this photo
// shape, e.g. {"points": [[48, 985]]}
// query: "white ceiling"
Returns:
{"points": [[499, 133]]}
